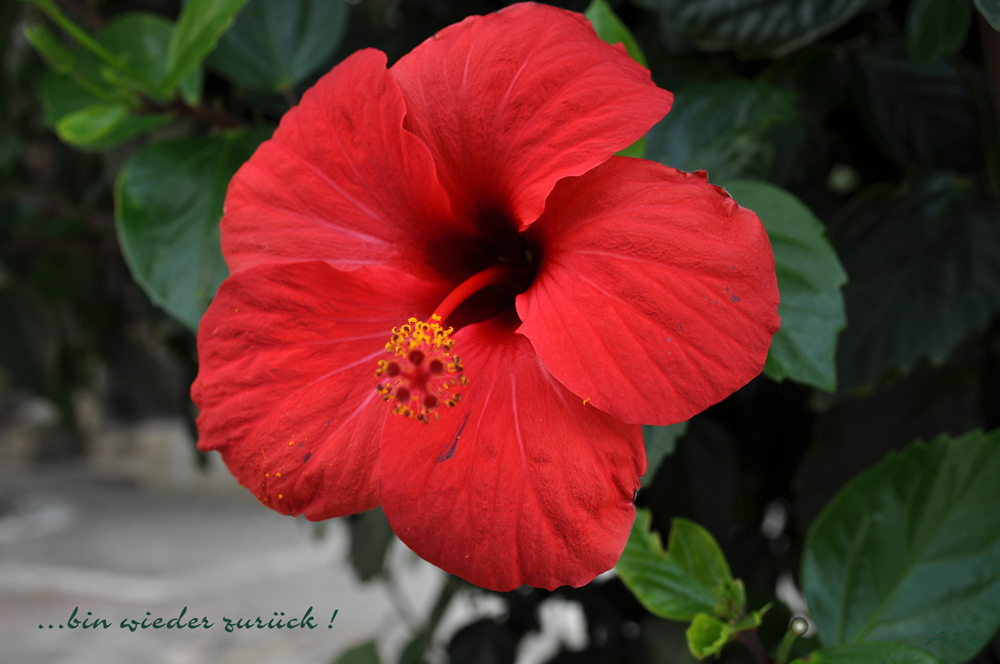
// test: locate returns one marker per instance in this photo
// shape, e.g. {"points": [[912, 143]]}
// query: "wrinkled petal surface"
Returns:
{"points": [[520, 483], [511, 102], [656, 296], [342, 181], [286, 385]]}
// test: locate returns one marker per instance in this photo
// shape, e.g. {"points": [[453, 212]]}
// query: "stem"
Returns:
{"points": [[796, 628], [491, 276], [448, 591], [414, 651], [753, 644], [201, 113], [50, 9], [399, 600]]}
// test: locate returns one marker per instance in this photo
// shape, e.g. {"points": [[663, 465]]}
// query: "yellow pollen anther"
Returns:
{"points": [[422, 372]]}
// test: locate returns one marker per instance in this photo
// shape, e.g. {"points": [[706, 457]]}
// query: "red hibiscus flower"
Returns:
{"points": [[472, 187]]}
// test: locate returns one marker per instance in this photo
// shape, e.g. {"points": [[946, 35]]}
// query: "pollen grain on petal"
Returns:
{"points": [[422, 372]]}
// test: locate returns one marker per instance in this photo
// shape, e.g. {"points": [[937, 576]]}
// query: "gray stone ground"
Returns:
{"points": [[135, 527]]}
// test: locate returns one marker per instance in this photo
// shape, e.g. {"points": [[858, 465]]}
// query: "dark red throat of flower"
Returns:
{"points": [[423, 373]]}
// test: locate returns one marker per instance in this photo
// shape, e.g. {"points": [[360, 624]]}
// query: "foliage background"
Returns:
{"points": [[868, 123]]}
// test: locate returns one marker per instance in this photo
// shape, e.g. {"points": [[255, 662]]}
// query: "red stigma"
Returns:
{"points": [[431, 374]]}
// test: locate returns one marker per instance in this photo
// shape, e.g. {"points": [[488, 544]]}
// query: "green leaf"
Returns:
{"points": [[911, 548], [868, 653], [755, 27], [707, 635], [83, 105], [56, 56], [198, 29], [483, 642], [809, 280], [722, 128], [681, 582], [922, 116], [924, 267], [990, 9], [273, 46], [142, 40], [660, 443], [89, 122], [611, 29], [752, 620], [366, 653], [371, 536], [637, 150], [168, 202], [937, 28]]}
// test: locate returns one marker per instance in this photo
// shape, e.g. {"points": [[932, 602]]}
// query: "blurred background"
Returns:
{"points": [[870, 123]]}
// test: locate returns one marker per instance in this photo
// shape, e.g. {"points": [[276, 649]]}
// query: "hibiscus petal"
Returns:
{"points": [[656, 295], [286, 385], [520, 483], [511, 102], [342, 181]]}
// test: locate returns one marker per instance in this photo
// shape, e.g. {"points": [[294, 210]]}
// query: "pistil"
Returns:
{"points": [[423, 373]]}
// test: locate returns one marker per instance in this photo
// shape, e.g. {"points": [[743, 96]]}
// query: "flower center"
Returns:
{"points": [[423, 373]]}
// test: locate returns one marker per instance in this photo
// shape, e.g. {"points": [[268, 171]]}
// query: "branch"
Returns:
{"points": [[753, 644], [399, 600]]}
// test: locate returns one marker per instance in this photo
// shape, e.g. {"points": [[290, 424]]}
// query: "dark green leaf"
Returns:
{"points": [[611, 29], [936, 28], [706, 635], [756, 27], [371, 536], [167, 209], [868, 653], [272, 46], [924, 116], [660, 443], [722, 128], [483, 642], [990, 9], [924, 267], [198, 29], [681, 582], [911, 548], [809, 281], [366, 653]]}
